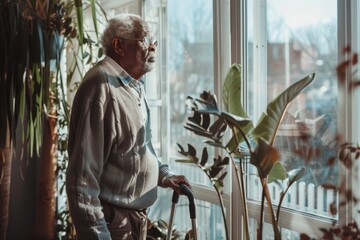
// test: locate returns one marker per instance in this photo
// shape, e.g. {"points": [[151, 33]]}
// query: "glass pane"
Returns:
{"points": [[190, 64], [301, 38], [153, 18], [153, 81]]}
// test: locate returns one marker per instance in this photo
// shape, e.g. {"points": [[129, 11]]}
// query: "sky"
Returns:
{"points": [[300, 13]]}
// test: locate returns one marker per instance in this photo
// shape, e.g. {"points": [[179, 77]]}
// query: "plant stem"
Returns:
{"points": [[264, 185], [271, 210], [280, 202], [261, 215], [222, 211], [279, 206], [240, 181], [220, 200]]}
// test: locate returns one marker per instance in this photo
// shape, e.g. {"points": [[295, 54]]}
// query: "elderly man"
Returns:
{"points": [[113, 172]]}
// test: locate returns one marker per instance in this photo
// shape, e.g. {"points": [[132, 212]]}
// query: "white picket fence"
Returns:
{"points": [[303, 197]]}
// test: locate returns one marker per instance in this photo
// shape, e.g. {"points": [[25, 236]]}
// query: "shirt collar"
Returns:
{"points": [[124, 77]]}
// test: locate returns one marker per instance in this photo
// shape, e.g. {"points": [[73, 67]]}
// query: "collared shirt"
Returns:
{"points": [[138, 89]]}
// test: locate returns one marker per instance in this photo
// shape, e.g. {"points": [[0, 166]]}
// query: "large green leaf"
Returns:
{"points": [[270, 121], [278, 172], [231, 94], [231, 91]]}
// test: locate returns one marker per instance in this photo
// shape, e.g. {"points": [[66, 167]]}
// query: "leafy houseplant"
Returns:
{"points": [[157, 230], [246, 141], [33, 36]]}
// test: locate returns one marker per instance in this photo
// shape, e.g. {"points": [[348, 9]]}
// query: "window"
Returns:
{"points": [[284, 41], [187, 57], [307, 135], [185, 30], [277, 43]]}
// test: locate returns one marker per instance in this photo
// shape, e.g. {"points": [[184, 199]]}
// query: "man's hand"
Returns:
{"points": [[174, 181]]}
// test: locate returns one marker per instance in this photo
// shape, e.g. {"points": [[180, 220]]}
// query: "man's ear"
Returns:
{"points": [[118, 46]]}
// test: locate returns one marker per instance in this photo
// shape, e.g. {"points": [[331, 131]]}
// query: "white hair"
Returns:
{"points": [[123, 25]]}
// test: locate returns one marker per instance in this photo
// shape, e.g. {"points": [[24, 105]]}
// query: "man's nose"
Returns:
{"points": [[152, 47]]}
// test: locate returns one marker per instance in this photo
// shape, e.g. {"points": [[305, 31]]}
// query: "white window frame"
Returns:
{"points": [[348, 116], [348, 126]]}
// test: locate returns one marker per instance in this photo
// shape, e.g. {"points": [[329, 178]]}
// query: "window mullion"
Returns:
{"points": [[355, 9], [260, 58], [346, 98]]}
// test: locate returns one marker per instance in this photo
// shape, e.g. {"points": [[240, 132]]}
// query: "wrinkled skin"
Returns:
{"points": [[174, 181]]}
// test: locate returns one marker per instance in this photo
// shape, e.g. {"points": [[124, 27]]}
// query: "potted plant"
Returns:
{"points": [[33, 37], [158, 229], [255, 142]]}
